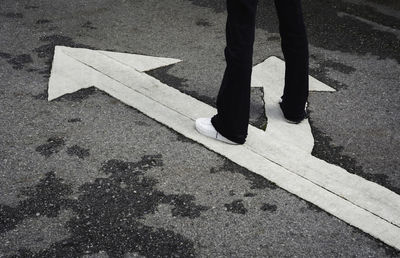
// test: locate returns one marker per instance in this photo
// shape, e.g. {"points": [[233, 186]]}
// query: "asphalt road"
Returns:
{"points": [[86, 175]]}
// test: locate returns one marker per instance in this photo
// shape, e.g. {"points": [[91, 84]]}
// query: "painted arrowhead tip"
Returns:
{"points": [[70, 74], [270, 74]]}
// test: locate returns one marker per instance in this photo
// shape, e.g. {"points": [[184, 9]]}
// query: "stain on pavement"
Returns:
{"points": [[13, 15], [325, 150], [19, 61], [47, 198], [236, 207], [89, 25], [107, 213], [268, 207], [47, 50], [78, 151], [76, 96], [79, 95], [5, 55], [249, 194], [42, 21], [74, 120], [52, 146], [203, 23]]}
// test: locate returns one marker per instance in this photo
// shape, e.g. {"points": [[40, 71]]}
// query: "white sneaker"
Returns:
{"points": [[205, 127]]}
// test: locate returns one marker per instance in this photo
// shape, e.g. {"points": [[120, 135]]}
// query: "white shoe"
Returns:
{"points": [[205, 127]]}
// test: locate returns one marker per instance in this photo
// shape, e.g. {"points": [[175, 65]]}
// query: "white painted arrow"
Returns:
{"points": [[363, 204], [82, 75], [270, 76]]}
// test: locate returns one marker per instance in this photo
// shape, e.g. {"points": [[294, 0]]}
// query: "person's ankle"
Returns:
{"points": [[293, 117]]}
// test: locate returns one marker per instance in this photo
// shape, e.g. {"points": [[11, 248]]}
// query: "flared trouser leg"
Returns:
{"points": [[295, 51], [233, 101]]}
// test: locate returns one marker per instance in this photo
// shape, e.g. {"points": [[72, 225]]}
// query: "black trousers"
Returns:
{"points": [[233, 101]]}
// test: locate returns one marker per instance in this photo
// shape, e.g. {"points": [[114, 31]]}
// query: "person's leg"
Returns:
{"points": [[295, 50], [233, 101]]}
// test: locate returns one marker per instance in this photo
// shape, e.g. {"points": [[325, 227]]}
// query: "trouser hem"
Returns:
{"points": [[239, 139]]}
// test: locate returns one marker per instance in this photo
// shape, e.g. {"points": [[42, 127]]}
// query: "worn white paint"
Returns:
{"points": [[272, 154], [270, 76]]}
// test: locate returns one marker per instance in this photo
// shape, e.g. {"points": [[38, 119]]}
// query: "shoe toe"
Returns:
{"points": [[204, 126], [203, 121]]}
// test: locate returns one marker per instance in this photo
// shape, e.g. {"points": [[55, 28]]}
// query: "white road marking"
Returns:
{"points": [[363, 204], [270, 76]]}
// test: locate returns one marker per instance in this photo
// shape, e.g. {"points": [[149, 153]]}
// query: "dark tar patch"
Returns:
{"points": [[268, 207], [78, 151], [108, 213], [52, 146], [236, 207]]}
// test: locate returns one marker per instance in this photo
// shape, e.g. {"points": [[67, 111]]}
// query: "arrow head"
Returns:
{"points": [[69, 73], [270, 74]]}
